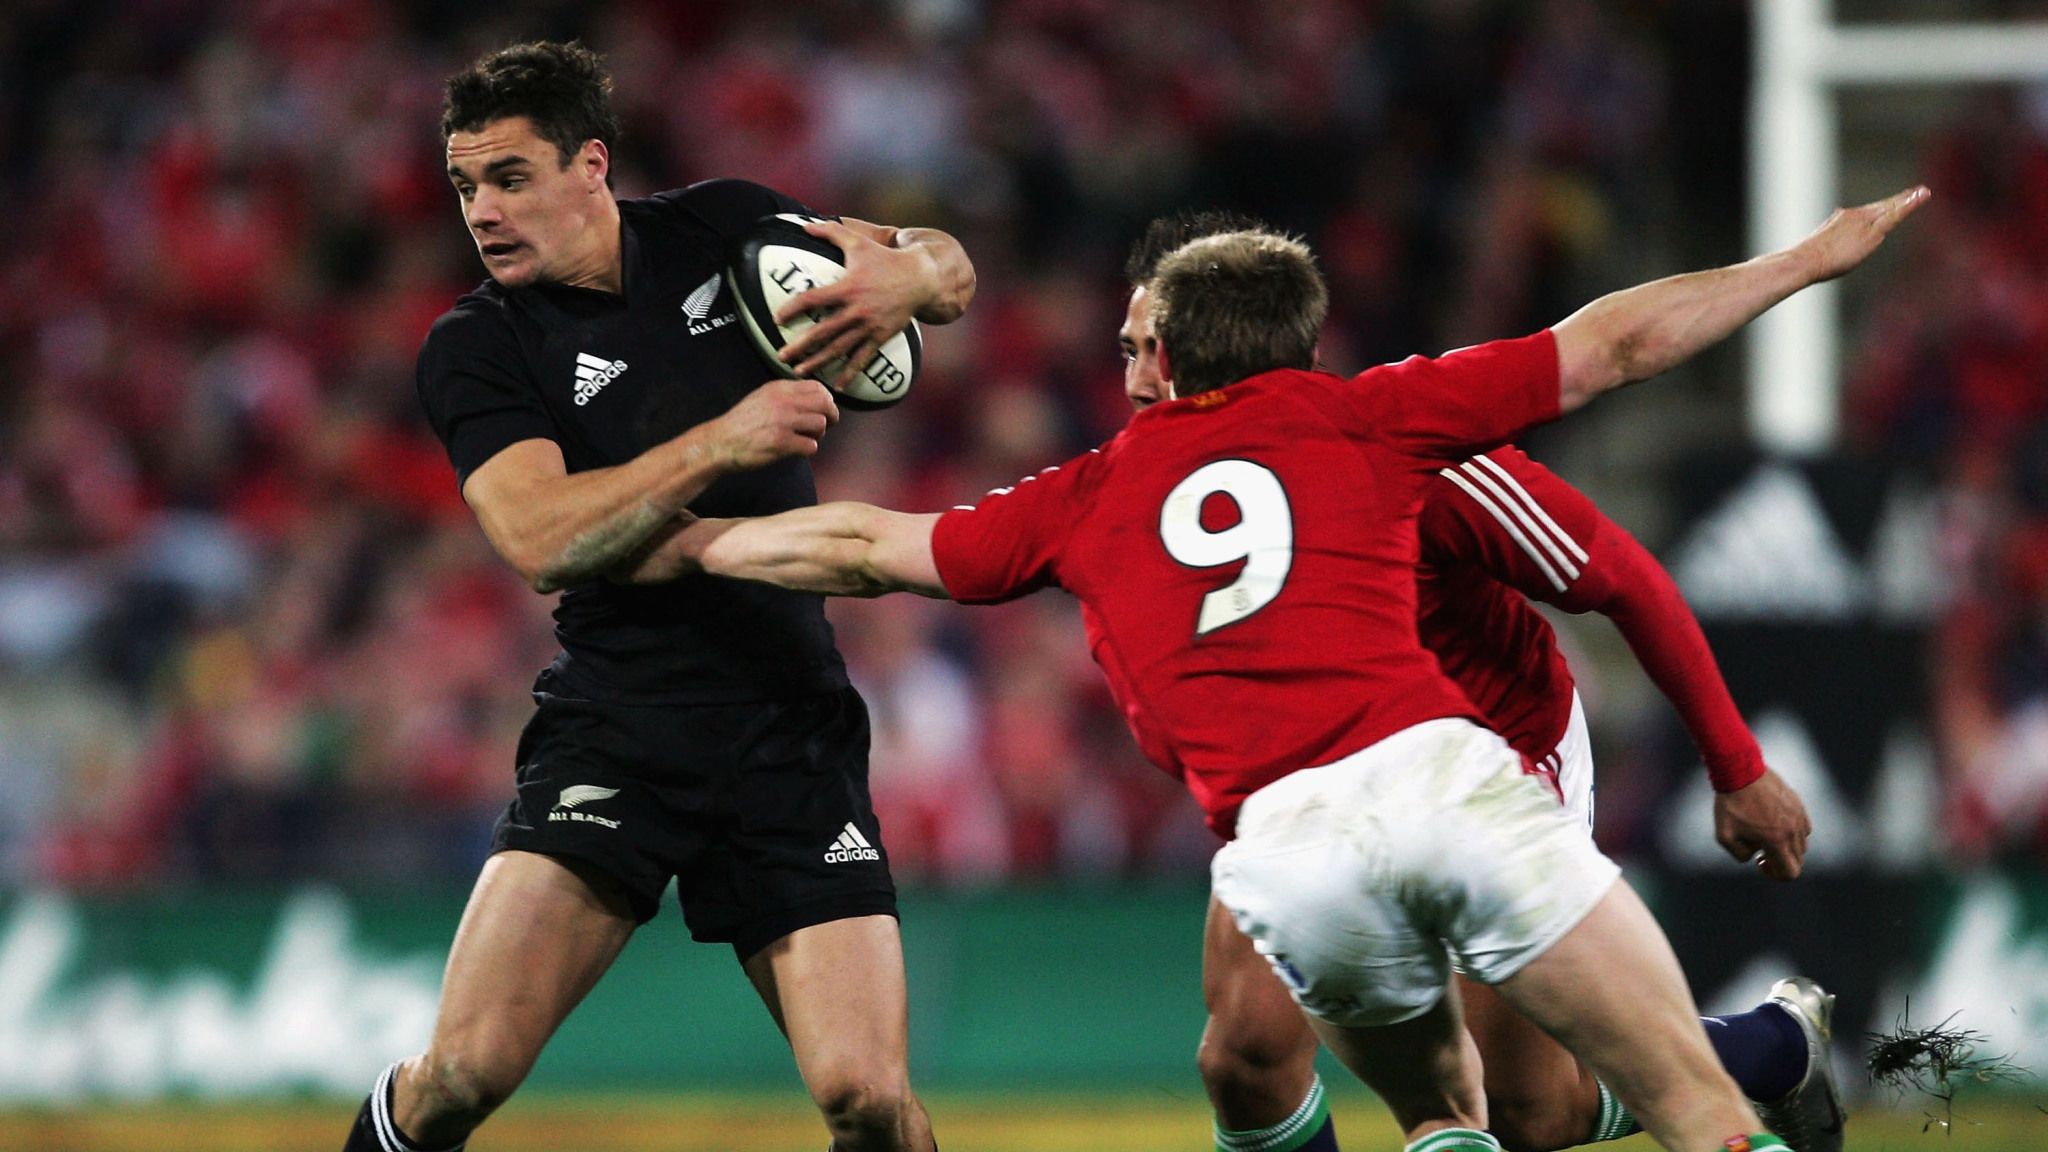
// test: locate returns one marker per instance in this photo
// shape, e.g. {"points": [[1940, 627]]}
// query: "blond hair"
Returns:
{"points": [[1236, 304]]}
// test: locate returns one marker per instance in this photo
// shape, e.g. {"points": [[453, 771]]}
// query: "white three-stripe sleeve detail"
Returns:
{"points": [[1514, 531], [1529, 524], [1535, 530], [1556, 531]]}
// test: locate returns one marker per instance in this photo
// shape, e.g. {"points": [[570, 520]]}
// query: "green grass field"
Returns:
{"points": [[965, 1124]]}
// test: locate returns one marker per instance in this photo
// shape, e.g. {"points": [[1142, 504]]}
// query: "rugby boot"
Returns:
{"points": [[1809, 1118]]}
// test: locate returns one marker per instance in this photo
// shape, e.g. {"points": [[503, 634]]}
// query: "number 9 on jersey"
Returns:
{"points": [[1263, 537]]}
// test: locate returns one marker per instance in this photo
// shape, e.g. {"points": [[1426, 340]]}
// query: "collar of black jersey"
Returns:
{"points": [[591, 301]]}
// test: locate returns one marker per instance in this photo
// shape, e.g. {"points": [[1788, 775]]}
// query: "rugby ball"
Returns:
{"points": [[776, 260]]}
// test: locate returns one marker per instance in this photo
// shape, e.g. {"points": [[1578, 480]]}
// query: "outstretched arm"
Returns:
{"points": [[1639, 332], [840, 549]]}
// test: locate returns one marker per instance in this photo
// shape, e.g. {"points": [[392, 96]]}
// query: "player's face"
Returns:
{"points": [[1142, 385], [532, 219]]}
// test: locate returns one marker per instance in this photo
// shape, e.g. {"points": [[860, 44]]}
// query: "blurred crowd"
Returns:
{"points": [[249, 631], [1952, 382]]}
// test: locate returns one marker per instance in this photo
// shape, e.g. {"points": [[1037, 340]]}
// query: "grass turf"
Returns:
{"points": [[981, 1123]]}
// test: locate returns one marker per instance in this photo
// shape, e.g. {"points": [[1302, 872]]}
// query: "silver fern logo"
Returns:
{"points": [[577, 795], [698, 304]]}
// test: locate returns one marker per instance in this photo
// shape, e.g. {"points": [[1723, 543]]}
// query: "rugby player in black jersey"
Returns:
{"points": [[697, 729]]}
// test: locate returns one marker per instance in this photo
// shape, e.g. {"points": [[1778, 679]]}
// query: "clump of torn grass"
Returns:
{"points": [[1935, 1061]]}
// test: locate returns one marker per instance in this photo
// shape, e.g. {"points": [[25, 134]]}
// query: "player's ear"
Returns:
{"points": [[593, 161], [1165, 367]]}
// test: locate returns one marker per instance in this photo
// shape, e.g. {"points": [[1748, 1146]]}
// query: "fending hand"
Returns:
{"points": [[1765, 821], [1848, 237]]}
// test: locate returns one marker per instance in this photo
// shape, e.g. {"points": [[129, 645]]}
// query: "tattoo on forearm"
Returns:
{"points": [[603, 546]]}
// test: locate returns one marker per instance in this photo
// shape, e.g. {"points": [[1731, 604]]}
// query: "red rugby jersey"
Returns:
{"points": [[1245, 558], [1500, 527]]}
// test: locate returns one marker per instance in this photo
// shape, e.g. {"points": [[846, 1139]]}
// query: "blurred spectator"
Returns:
{"points": [[937, 804], [1956, 366], [1953, 381]]}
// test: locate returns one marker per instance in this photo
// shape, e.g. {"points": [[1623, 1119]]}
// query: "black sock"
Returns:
{"points": [[376, 1129], [361, 1136]]}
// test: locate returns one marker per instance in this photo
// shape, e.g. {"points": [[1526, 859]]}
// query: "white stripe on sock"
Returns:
{"points": [[1449, 1138], [1261, 1139], [386, 1127], [380, 1113], [1615, 1118]]}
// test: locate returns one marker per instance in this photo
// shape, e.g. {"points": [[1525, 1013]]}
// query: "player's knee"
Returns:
{"points": [[1535, 1122], [1255, 1067], [855, 1106]]}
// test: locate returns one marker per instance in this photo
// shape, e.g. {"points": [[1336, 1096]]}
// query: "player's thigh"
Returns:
{"points": [[790, 840], [837, 992], [1612, 991], [537, 934], [1523, 1064], [1252, 1019], [1423, 1068]]}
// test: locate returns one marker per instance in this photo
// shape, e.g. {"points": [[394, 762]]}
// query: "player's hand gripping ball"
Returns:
{"points": [[776, 260]]}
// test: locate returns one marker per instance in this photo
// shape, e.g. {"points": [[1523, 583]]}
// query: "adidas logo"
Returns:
{"points": [[592, 374], [1770, 553], [851, 846], [1793, 750], [577, 795], [697, 306]]}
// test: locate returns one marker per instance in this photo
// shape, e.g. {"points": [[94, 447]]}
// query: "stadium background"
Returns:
{"points": [[260, 676]]}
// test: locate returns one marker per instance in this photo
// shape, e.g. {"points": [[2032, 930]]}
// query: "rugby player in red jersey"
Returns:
{"points": [[1497, 531], [1244, 557]]}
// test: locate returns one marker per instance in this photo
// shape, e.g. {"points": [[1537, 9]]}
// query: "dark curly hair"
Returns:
{"points": [[563, 88], [1167, 233]]}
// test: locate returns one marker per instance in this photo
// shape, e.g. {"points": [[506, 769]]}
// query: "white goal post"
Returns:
{"points": [[1802, 58]]}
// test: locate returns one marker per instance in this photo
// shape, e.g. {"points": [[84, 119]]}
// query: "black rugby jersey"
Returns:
{"points": [[607, 377]]}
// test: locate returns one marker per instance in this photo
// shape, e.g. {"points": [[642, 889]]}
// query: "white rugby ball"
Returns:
{"points": [[776, 260]]}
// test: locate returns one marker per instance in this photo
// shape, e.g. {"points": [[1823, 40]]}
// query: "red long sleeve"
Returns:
{"points": [[1645, 605]]}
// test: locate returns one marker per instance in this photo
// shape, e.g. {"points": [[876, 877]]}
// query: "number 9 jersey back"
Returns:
{"points": [[1245, 558]]}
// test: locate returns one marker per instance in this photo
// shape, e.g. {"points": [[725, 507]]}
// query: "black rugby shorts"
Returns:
{"points": [[759, 811]]}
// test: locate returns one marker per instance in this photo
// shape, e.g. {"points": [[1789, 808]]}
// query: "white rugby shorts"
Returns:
{"points": [[1571, 763], [1362, 881]]}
